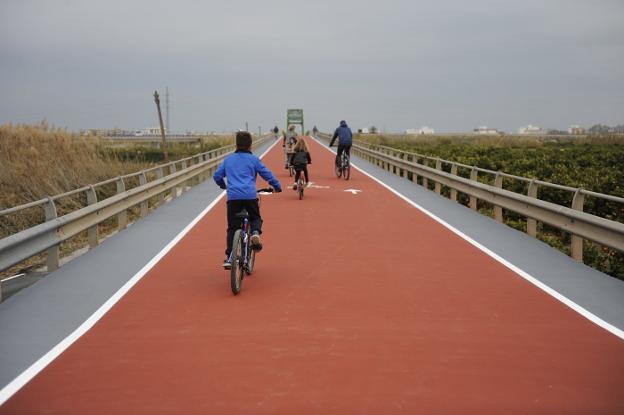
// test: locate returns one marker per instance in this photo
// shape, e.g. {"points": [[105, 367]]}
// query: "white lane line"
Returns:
{"points": [[17, 383], [13, 277], [565, 300]]}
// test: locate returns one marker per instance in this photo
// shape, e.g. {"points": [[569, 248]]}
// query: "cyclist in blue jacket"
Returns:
{"points": [[241, 169], [345, 139]]}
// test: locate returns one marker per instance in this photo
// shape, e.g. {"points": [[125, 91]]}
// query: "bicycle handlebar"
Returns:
{"points": [[266, 190]]}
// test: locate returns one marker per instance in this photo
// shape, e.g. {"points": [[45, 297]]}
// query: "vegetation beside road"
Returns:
{"points": [[37, 161], [593, 163]]}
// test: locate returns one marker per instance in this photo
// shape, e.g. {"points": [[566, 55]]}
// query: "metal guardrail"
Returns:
{"points": [[570, 219], [48, 235]]}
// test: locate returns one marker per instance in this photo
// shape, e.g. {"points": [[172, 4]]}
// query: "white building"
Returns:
{"points": [[152, 131], [483, 130], [576, 130], [423, 130], [531, 129]]}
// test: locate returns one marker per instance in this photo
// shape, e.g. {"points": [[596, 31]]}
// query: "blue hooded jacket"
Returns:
{"points": [[241, 169], [343, 133]]}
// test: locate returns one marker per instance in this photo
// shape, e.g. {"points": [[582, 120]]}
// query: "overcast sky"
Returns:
{"points": [[448, 64]]}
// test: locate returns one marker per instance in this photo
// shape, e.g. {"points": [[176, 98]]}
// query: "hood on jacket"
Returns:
{"points": [[343, 123]]}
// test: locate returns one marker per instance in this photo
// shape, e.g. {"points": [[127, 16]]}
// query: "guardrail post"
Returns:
{"points": [[498, 211], [174, 190], [185, 184], [474, 175], [454, 191], [425, 181], [52, 253], [144, 206], [92, 232], [198, 177], [122, 217], [159, 175], [576, 244], [532, 223], [402, 172], [438, 186]]}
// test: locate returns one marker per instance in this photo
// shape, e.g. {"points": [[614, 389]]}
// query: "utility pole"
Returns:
{"points": [[168, 126], [259, 131], [246, 126], [162, 127]]}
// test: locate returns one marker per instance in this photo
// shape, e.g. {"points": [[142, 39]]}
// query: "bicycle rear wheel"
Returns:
{"points": [[300, 188], [236, 273], [346, 171]]}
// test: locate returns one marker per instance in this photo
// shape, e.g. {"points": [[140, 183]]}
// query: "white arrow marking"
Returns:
{"points": [[353, 191], [315, 186]]}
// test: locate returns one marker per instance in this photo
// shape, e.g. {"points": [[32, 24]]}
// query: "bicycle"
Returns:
{"points": [[344, 167], [300, 185], [243, 256]]}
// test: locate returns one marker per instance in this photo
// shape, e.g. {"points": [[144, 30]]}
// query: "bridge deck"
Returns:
{"points": [[360, 302]]}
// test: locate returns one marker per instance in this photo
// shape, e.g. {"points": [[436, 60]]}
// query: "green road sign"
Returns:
{"points": [[294, 116]]}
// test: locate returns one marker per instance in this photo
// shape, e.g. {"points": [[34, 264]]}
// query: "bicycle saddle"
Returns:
{"points": [[242, 214]]}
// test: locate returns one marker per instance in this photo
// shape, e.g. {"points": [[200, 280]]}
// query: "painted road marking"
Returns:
{"points": [[316, 186], [353, 191]]}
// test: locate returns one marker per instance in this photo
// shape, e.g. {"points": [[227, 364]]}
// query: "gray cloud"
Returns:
{"points": [[400, 64]]}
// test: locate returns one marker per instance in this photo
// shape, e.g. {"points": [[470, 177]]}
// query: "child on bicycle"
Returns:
{"points": [[300, 160], [241, 169]]}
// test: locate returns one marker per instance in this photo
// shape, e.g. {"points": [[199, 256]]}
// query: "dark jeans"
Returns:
{"points": [[234, 223], [299, 169], [341, 148]]}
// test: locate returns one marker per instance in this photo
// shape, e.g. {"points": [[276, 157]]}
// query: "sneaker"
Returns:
{"points": [[255, 242], [227, 264], [294, 186]]}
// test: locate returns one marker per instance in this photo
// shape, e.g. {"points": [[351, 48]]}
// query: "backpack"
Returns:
{"points": [[300, 158]]}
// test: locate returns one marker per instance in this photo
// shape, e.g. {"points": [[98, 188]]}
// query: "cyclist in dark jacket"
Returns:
{"points": [[300, 160], [345, 139]]}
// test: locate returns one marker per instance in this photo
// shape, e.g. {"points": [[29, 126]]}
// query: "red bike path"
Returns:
{"points": [[360, 303]]}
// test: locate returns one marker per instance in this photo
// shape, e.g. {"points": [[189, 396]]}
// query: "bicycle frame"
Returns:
{"points": [[245, 242]]}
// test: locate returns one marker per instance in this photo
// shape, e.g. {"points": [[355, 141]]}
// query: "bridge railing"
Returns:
{"points": [[571, 219], [155, 184]]}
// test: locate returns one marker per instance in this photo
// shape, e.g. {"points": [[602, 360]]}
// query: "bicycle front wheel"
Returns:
{"points": [[338, 171], [236, 273], [251, 261]]}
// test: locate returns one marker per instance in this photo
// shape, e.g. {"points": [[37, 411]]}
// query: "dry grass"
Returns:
{"points": [[37, 161]]}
